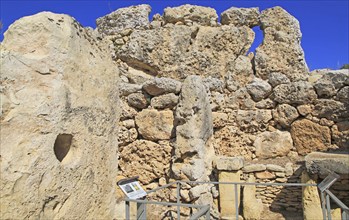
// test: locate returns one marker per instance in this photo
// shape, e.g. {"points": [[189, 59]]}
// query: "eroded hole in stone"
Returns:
{"points": [[258, 40], [62, 145]]}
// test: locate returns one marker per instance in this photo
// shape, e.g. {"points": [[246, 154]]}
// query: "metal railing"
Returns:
{"points": [[327, 195], [204, 210]]}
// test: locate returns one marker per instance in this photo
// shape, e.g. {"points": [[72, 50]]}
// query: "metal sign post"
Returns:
{"points": [[133, 190]]}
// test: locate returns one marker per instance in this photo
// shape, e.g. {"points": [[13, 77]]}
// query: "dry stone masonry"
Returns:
{"points": [[175, 97]]}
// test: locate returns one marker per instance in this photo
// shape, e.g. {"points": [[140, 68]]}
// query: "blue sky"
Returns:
{"points": [[324, 24]]}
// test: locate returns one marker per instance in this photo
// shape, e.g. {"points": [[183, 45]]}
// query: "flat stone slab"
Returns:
{"points": [[324, 163]]}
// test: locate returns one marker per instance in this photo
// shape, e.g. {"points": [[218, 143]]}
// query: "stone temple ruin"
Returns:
{"points": [[175, 98]]}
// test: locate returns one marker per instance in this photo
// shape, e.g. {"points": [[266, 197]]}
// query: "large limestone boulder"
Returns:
{"points": [[187, 14], [134, 17], [309, 136], [300, 92], [331, 109], [145, 159], [178, 51], [323, 164], [259, 89], [239, 73], [285, 114], [241, 17], [273, 144], [59, 125], [281, 50], [155, 125]]}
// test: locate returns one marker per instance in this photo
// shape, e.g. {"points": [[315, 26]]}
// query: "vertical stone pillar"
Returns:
{"points": [[252, 207], [310, 199], [228, 171]]}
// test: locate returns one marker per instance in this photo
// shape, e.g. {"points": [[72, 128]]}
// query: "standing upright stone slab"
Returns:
{"points": [[310, 199]]}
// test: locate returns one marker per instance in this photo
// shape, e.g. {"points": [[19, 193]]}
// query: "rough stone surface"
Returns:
{"points": [[340, 134], [310, 199], [226, 192], [331, 109], [277, 78], [275, 168], [300, 92], [285, 114], [253, 120], [155, 125], [323, 163], [259, 89], [308, 136], [145, 159], [138, 77], [159, 86], [265, 175], [126, 136], [343, 95], [138, 100], [252, 207], [254, 168], [239, 73], [240, 17], [134, 17], [169, 100], [229, 163], [127, 88], [191, 13], [273, 144], [179, 51], [193, 131], [127, 112], [59, 128], [280, 50]]}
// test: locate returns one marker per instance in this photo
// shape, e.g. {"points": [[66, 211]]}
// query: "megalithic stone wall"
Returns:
{"points": [[190, 92]]}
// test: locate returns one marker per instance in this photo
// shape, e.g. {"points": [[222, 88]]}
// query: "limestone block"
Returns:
{"points": [[145, 159], [138, 100], [340, 134], [277, 78], [300, 92], [127, 88], [273, 144], [59, 135], [169, 100], [285, 114], [127, 112], [240, 17], [178, 51], [229, 163], [275, 168], [310, 199], [155, 125], [253, 120], [309, 136], [227, 193], [239, 73], [137, 76], [258, 89], [264, 175], [133, 17], [281, 50], [219, 119], [331, 109], [252, 207], [254, 168], [159, 86], [196, 14]]}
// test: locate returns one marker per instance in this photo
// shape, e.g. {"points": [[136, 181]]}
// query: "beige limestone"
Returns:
{"points": [[145, 159], [252, 207], [59, 131], [309, 136], [155, 125], [310, 199], [227, 193]]}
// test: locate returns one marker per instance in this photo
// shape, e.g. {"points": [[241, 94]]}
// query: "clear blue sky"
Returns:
{"points": [[324, 24]]}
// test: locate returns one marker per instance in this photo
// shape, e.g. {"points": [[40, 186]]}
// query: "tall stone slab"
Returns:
{"points": [[310, 199], [281, 50], [58, 122]]}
